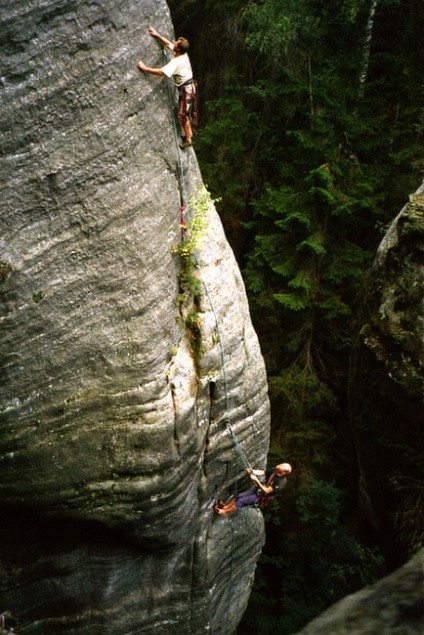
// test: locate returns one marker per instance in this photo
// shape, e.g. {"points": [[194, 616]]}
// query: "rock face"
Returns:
{"points": [[393, 606], [387, 386], [113, 395]]}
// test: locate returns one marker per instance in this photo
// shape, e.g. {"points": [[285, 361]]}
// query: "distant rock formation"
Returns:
{"points": [[113, 405], [387, 387], [393, 606]]}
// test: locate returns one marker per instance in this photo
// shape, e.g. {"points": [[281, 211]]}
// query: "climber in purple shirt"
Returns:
{"points": [[262, 493]]}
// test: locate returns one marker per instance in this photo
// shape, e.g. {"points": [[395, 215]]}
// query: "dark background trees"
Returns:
{"points": [[311, 134]]}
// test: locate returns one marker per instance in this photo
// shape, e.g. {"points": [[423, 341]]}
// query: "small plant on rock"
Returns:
{"points": [[194, 230]]}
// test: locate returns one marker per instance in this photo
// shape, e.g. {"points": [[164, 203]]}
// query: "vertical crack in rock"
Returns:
{"points": [[112, 427]]}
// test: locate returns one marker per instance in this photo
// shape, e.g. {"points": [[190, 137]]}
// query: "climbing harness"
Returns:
{"points": [[264, 501], [192, 111]]}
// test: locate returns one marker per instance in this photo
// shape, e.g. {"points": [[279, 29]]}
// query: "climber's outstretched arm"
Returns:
{"points": [[267, 489], [149, 69], [159, 37]]}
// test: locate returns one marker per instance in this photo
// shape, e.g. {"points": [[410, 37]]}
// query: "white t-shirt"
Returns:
{"points": [[179, 68]]}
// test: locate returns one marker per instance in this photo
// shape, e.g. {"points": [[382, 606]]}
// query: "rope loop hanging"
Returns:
{"points": [[238, 447], [184, 213]]}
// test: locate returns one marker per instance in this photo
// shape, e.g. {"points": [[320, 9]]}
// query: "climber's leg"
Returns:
{"points": [[243, 499]]}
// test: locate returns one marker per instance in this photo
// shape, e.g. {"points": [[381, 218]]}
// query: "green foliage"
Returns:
{"points": [[303, 571], [274, 25], [301, 274], [319, 504], [196, 227], [192, 323], [314, 140], [190, 246], [189, 250], [325, 191], [230, 138], [307, 405]]}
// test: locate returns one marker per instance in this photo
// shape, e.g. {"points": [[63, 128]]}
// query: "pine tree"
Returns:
{"points": [[311, 137]]}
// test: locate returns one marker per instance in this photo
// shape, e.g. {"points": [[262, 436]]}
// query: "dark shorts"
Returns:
{"points": [[249, 497]]}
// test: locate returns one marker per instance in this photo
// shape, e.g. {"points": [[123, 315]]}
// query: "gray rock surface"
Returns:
{"points": [[387, 386], [392, 606], [113, 443]]}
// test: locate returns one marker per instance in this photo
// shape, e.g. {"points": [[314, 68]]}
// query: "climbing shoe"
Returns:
{"points": [[218, 506], [185, 143]]}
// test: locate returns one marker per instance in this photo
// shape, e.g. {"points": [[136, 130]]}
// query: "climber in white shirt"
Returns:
{"points": [[179, 68]]}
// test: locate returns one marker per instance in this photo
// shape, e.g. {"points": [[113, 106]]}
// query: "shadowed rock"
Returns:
{"points": [[387, 386], [393, 606]]}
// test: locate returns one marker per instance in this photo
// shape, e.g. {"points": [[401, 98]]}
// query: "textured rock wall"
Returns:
{"points": [[393, 606], [113, 442], [387, 386]]}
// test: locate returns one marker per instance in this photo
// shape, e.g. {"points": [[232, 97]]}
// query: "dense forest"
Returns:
{"points": [[311, 135]]}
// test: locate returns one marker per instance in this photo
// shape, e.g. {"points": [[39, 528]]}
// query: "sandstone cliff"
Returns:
{"points": [[387, 386], [113, 442], [386, 398], [393, 606]]}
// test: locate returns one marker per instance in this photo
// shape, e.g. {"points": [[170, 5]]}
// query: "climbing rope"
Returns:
{"points": [[238, 447], [184, 208]]}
